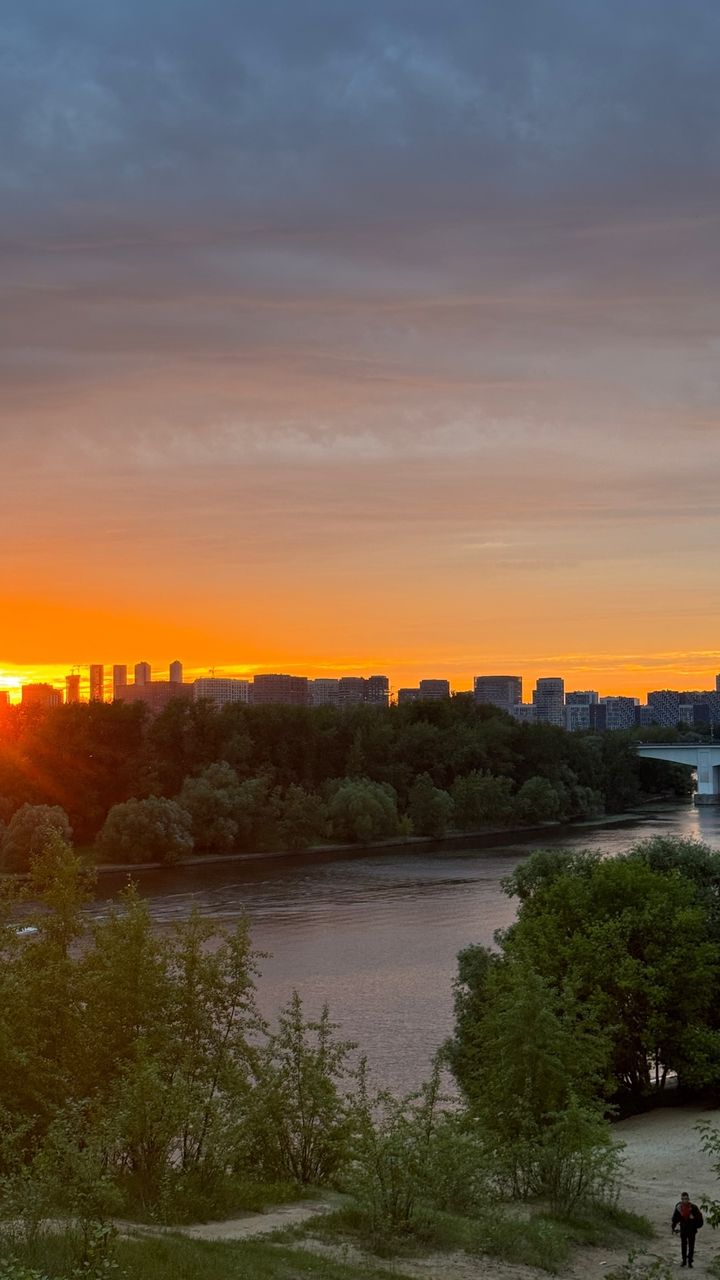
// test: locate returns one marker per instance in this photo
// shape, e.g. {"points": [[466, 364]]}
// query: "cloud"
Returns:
{"points": [[426, 288]]}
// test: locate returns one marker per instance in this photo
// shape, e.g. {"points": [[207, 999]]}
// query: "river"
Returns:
{"points": [[377, 936]]}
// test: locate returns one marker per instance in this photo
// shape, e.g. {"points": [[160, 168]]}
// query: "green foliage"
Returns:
{"points": [[531, 1072], [301, 1119], [91, 757], [177, 1259], [173, 1257], [212, 798], [481, 798], [493, 1230], [579, 1163], [254, 814], [85, 757], [361, 811], [410, 1154], [148, 830], [137, 1066], [429, 808], [537, 801], [300, 817], [28, 832], [632, 943], [710, 1143], [642, 1266]]}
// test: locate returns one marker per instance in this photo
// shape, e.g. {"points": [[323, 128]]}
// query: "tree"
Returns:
{"points": [[537, 801], [361, 810], [212, 798], [169, 1063], [481, 798], [300, 816], [86, 757], [634, 944], [301, 1120], [149, 830], [524, 1061], [28, 832], [429, 808], [412, 1153], [254, 814]]}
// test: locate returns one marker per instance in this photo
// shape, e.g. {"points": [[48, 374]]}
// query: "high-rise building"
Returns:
{"points": [[97, 682], [377, 692], [143, 673], [4, 697], [324, 692], [72, 687], [525, 712], [119, 679], [645, 716], [434, 690], [581, 698], [549, 701], [585, 715], [176, 672], [577, 716], [619, 712], [156, 694], [352, 691], [666, 707], [220, 690], [408, 695], [499, 691], [40, 695], [283, 690]]}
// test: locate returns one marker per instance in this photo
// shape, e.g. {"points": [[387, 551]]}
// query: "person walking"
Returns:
{"points": [[689, 1219]]}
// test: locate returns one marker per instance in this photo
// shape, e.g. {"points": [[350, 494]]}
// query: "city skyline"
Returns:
{"points": [[575, 678], [385, 337]]}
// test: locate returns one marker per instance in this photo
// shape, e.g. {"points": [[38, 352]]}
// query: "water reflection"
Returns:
{"points": [[377, 937]]}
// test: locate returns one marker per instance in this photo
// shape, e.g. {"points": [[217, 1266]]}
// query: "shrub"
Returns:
{"points": [[429, 808], [152, 830], [211, 799], [300, 1120], [361, 810], [28, 832], [412, 1154]]}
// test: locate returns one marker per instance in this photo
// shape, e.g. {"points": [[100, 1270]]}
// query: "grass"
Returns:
{"points": [[538, 1239], [177, 1258], [535, 1239], [186, 1200]]}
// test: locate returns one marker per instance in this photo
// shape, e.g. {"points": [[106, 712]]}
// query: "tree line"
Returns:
{"points": [[198, 778]]}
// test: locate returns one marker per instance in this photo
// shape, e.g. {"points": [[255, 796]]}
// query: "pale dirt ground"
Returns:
{"points": [[663, 1158]]}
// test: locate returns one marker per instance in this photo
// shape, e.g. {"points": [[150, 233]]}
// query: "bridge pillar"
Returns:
{"points": [[708, 779]]}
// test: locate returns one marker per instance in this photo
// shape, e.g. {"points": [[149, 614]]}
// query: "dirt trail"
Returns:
{"points": [[663, 1158], [243, 1228]]}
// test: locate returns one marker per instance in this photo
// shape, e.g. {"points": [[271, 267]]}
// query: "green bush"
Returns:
{"points": [[412, 1154], [151, 830], [300, 1118]]}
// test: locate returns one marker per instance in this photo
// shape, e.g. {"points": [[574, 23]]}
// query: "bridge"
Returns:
{"points": [[701, 756]]}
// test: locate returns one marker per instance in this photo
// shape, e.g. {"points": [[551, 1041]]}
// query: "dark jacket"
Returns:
{"points": [[693, 1223]]}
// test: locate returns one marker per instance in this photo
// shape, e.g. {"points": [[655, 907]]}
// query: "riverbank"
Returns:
{"points": [[483, 838]]}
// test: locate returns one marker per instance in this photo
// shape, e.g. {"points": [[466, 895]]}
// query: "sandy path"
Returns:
{"points": [[243, 1228]]}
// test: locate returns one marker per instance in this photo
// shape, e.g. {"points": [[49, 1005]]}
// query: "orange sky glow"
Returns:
{"points": [[378, 344]]}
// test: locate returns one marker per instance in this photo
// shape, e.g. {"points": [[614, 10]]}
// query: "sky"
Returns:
{"points": [[354, 338]]}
